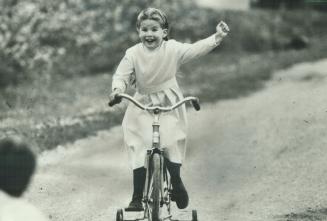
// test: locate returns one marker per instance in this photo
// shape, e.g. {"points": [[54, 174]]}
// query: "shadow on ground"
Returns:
{"points": [[309, 215]]}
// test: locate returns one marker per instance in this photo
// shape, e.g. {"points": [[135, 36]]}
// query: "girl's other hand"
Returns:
{"points": [[113, 99], [222, 29]]}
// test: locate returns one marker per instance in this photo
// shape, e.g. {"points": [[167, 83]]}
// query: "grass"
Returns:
{"points": [[224, 76], [49, 114]]}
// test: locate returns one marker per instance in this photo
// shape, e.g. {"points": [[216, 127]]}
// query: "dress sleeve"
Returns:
{"points": [[125, 69], [187, 52]]}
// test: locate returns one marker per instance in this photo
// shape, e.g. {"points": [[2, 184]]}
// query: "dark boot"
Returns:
{"points": [[179, 193], [138, 186]]}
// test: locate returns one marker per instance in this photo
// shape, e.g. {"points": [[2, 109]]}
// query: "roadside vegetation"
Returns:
{"points": [[57, 64]]}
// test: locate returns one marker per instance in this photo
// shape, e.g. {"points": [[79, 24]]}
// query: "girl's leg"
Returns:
{"points": [[138, 186], [179, 193]]}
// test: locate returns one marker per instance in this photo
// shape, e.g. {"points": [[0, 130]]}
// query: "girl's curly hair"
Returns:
{"points": [[153, 14]]}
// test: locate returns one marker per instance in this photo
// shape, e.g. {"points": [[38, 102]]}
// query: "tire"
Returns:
{"points": [[119, 215], [194, 215], [156, 176]]}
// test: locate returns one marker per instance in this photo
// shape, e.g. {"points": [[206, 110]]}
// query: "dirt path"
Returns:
{"points": [[256, 158]]}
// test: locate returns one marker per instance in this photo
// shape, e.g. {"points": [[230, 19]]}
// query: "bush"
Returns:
{"points": [[67, 38]]}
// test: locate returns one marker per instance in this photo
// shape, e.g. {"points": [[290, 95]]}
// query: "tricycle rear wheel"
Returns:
{"points": [[119, 215], [194, 215]]}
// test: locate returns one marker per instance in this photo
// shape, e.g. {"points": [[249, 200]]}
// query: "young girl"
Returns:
{"points": [[154, 63]]}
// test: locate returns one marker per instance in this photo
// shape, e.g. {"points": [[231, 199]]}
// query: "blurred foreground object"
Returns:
{"points": [[17, 165]]}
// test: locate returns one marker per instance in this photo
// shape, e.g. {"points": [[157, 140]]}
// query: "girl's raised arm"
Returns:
{"points": [[188, 52]]}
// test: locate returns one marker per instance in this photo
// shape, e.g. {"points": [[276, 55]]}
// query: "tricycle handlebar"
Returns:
{"points": [[193, 100]]}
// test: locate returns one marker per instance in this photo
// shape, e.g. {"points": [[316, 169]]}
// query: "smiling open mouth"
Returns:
{"points": [[150, 40]]}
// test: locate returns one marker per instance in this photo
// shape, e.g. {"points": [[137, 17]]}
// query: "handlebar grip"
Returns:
{"points": [[196, 104], [115, 101]]}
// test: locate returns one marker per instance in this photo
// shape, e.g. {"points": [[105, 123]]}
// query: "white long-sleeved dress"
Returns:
{"points": [[156, 84]]}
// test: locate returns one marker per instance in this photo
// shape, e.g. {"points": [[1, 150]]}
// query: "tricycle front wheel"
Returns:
{"points": [[156, 182]]}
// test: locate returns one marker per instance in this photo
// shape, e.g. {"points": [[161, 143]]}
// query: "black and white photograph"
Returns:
{"points": [[163, 110]]}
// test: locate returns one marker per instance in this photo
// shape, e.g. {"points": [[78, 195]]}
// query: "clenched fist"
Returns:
{"points": [[222, 29]]}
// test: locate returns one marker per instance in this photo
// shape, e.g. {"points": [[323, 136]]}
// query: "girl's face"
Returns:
{"points": [[151, 34]]}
